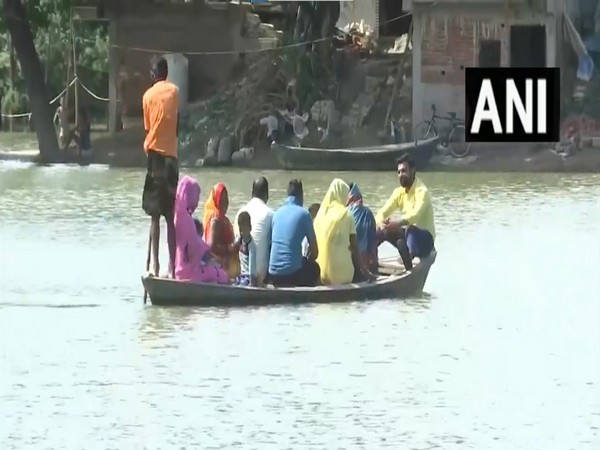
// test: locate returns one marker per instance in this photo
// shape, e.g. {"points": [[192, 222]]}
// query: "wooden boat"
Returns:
{"points": [[394, 282], [381, 157]]}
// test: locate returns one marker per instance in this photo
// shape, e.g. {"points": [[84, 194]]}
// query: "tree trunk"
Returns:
{"points": [[315, 21], [327, 15], [17, 23], [302, 29]]}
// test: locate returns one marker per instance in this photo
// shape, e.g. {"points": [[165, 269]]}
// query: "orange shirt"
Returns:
{"points": [[161, 110]]}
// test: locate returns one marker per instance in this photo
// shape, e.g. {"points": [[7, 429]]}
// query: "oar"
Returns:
{"points": [[148, 260]]}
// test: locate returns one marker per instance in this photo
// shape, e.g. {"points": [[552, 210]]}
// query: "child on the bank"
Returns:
{"points": [[313, 210], [247, 252]]}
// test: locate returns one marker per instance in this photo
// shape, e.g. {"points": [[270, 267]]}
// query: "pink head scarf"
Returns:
{"points": [[186, 202], [188, 196]]}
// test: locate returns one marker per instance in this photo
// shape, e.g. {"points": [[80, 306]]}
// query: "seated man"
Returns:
{"points": [[261, 217], [414, 235], [291, 224]]}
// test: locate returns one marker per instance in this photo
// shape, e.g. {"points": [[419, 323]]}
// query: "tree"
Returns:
{"points": [[315, 21], [17, 22], [312, 23]]}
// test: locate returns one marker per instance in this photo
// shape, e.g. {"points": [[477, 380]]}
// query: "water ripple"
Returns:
{"points": [[496, 355]]}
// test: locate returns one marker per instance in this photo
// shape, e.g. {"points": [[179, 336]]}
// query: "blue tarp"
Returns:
{"points": [[585, 66]]}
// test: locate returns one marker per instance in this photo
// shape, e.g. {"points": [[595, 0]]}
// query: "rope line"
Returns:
{"points": [[194, 53], [223, 52], [15, 116], [75, 80], [251, 51], [28, 114], [86, 89]]}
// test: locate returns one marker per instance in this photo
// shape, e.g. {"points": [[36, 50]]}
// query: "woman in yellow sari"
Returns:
{"points": [[336, 238]]}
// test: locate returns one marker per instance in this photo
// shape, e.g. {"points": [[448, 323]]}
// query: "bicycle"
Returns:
{"points": [[453, 137]]}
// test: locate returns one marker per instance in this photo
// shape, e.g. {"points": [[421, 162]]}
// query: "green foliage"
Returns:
{"points": [[12, 99], [50, 22], [313, 76], [4, 66]]}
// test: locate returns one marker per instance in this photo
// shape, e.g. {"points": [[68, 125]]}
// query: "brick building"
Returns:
{"points": [[449, 35], [140, 29]]}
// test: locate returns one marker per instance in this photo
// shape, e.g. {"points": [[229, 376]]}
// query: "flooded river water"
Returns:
{"points": [[501, 353]]}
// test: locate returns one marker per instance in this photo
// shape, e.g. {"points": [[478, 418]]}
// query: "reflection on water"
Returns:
{"points": [[500, 353]]}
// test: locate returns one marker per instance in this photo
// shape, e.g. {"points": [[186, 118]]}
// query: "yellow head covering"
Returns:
{"points": [[330, 216]]}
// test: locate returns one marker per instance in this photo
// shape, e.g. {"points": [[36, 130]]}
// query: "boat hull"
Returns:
{"points": [[168, 292], [376, 158]]}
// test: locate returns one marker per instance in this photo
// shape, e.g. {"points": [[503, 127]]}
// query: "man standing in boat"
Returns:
{"points": [[161, 122], [414, 234]]}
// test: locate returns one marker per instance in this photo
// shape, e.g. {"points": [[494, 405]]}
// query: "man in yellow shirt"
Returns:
{"points": [[161, 122], [414, 234]]}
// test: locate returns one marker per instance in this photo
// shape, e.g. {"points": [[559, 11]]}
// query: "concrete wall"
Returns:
{"points": [[446, 40], [178, 28]]}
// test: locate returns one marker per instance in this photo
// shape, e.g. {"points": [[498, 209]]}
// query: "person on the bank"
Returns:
{"points": [[261, 216], [414, 234], [84, 129], [291, 224], [336, 238], [161, 122], [313, 210], [61, 120], [366, 231], [192, 257], [218, 231], [247, 252]]}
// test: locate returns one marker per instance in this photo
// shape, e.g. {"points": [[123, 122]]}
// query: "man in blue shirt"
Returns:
{"points": [[291, 224]]}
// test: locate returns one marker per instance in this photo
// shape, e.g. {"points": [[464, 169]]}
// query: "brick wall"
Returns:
{"points": [[185, 30], [451, 43]]}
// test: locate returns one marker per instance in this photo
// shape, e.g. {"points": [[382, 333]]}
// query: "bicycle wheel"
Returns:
{"points": [[424, 130], [459, 148]]}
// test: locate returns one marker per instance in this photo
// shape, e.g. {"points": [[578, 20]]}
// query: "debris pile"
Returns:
{"points": [[360, 99], [359, 38], [231, 117]]}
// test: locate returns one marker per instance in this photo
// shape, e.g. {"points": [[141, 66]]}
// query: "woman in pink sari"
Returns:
{"points": [[193, 254]]}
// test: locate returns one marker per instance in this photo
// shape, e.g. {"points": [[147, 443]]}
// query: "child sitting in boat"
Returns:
{"points": [[247, 252], [313, 210], [208, 256], [199, 227]]}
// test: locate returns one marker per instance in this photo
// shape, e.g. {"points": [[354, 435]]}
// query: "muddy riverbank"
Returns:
{"points": [[125, 150]]}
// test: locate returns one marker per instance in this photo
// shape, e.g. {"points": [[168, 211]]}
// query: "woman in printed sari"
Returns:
{"points": [[218, 231], [336, 238], [192, 254], [366, 231]]}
